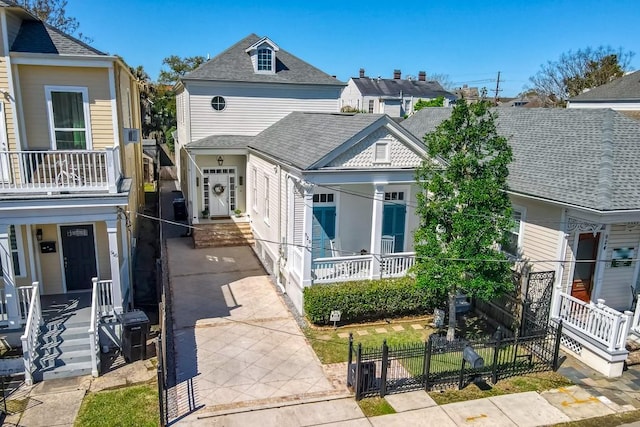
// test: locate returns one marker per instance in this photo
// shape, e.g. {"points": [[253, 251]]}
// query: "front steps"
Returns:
{"points": [[219, 234], [633, 346], [64, 350]]}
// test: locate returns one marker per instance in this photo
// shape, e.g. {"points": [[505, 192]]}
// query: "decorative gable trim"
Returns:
{"points": [[263, 56], [260, 42]]}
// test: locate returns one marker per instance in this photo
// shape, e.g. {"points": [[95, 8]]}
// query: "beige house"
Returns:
{"points": [[70, 185]]}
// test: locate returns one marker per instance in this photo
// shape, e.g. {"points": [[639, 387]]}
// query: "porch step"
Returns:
{"points": [[66, 371], [222, 234], [63, 350], [633, 347]]}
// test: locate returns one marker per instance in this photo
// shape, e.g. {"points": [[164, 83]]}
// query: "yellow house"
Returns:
{"points": [[70, 183]]}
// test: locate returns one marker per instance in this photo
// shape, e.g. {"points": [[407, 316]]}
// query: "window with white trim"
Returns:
{"points": [[265, 59], [514, 236], [254, 173], [381, 152], [323, 198], [69, 117], [267, 190], [15, 246]]}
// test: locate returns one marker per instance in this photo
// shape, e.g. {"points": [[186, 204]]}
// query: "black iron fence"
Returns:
{"points": [[439, 363]]}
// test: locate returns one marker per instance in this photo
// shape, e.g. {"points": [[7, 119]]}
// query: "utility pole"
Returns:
{"points": [[497, 90]]}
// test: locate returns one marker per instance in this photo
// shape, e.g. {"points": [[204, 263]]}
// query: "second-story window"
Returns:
{"points": [[69, 117], [265, 62]]}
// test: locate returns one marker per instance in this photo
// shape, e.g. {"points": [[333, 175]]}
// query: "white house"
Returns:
{"points": [[395, 97], [236, 94]]}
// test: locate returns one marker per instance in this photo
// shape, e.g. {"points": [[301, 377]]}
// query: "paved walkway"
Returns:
{"points": [[236, 344]]}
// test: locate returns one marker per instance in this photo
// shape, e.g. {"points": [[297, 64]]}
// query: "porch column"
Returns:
{"points": [[114, 261], [126, 259], [376, 229], [192, 198], [307, 234], [10, 288]]}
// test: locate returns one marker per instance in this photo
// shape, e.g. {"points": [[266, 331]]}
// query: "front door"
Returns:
{"points": [[584, 272], [324, 231], [393, 221], [219, 191], [79, 255]]}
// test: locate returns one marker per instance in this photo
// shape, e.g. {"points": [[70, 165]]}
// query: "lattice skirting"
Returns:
{"points": [[571, 344]]}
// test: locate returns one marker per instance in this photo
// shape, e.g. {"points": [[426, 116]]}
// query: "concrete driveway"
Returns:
{"points": [[236, 343]]}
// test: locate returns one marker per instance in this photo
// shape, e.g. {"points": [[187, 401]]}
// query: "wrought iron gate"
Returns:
{"points": [[536, 305]]}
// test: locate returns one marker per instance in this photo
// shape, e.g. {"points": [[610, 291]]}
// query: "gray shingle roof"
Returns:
{"points": [[301, 139], [584, 157], [222, 141], [623, 88], [393, 87], [234, 64], [38, 37]]}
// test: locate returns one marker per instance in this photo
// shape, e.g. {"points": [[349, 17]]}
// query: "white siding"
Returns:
{"points": [[614, 105], [361, 155], [354, 217], [250, 108], [617, 281], [351, 96]]}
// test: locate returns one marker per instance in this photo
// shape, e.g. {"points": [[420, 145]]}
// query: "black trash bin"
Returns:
{"points": [[179, 209], [135, 329]]}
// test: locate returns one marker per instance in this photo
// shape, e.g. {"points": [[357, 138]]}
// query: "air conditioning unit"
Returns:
{"points": [[131, 135]]}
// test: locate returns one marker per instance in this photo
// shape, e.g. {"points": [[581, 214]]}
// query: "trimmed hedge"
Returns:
{"points": [[368, 300]]}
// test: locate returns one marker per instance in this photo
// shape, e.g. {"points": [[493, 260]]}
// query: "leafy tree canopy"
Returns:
{"points": [[178, 67], [464, 208], [436, 102], [54, 13], [574, 72]]}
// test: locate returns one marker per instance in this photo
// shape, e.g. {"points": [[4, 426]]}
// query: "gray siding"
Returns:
{"points": [[617, 281]]}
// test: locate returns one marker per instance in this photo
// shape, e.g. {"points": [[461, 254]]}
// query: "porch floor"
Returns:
{"points": [[68, 308]]}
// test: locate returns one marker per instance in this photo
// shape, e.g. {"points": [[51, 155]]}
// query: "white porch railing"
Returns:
{"points": [[105, 298], [397, 264], [635, 326], [94, 333], [30, 337], [341, 269], [597, 321], [55, 171], [24, 297]]}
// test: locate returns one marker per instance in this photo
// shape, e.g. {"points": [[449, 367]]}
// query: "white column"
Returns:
{"points": [[126, 257], [10, 288], [193, 197], [307, 234], [376, 228], [114, 261]]}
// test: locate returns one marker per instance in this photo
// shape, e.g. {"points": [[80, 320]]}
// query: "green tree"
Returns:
{"points": [[464, 208], [436, 102], [573, 72], [178, 67], [54, 13]]}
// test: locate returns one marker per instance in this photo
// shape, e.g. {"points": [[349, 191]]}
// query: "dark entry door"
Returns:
{"points": [[583, 275], [393, 220], [79, 255]]}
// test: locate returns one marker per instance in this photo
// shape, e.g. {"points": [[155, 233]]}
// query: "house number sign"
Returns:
{"points": [[78, 232]]}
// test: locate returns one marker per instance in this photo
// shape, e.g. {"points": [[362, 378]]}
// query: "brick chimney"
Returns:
{"points": [[422, 76], [397, 74], [362, 73]]}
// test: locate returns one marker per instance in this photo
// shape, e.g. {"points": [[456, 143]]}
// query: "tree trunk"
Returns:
{"points": [[451, 332]]}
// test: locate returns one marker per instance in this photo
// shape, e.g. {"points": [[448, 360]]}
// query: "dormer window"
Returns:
{"points": [[265, 61], [263, 56]]}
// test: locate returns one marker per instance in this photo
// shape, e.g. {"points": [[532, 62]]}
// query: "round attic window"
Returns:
{"points": [[218, 103]]}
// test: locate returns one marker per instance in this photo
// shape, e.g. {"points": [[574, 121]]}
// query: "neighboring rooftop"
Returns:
{"points": [[222, 141], [583, 157], [302, 139], [38, 37], [393, 88], [625, 88], [234, 64]]}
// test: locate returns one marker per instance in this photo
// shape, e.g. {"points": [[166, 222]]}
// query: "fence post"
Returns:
{"points": [[385, 365], [428, 346], [359, 378], [461, 381], [159, 372], [526, 305], [556, 350], [350, 360], [496, 351]]}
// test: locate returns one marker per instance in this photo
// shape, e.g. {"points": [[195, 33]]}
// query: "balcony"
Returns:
{"points": [[70, 171]]}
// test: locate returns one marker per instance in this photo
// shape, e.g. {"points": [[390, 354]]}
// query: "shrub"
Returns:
{"points": [[368, 300]]}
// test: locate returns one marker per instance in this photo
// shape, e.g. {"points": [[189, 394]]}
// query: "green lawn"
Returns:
{"points": [[128, 406], [375, 406], [331, 348]]}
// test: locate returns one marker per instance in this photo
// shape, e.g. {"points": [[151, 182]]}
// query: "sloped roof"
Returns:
{"points": [[584, 157], [301, 139], [234, 64], [222, 141], [624, 88], [38, 37], [393, 87]]}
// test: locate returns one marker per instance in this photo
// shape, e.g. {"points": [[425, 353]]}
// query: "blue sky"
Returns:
{"points": [[468, 40]]}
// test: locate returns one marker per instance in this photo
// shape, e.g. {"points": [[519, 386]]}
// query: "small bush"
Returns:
{"points": [[368, 300]]}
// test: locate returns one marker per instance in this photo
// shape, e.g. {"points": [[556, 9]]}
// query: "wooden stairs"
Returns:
{"points": [[220, 234]]}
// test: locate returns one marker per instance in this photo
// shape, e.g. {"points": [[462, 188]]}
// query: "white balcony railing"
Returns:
{"points": [[397, 264], [57, 171], [30, 337], [341, 269], [105, 303], [597, 321]]}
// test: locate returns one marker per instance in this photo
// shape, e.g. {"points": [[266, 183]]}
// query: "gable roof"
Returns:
{"points": [[303, 139], [369, 86], [624, 88], [234, 64], [584, 157], [38, 37], [222, 141]]}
